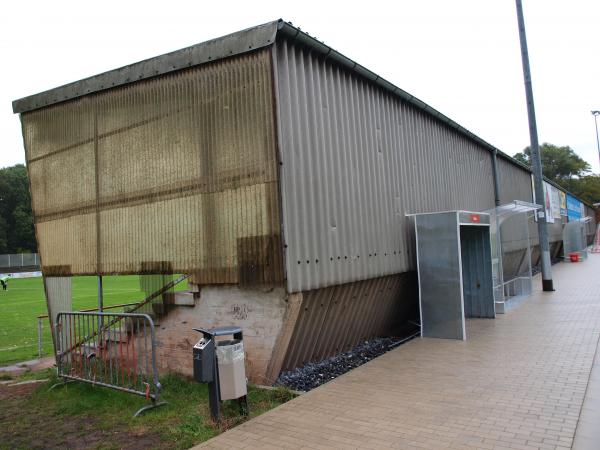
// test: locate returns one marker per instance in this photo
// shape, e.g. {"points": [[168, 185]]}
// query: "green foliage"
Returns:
{"points": [[3, 235], [587, 188], [563, 166], [16, 219], [558, 163]]}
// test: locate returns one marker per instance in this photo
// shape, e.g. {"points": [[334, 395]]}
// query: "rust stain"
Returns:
{"points": [[181, 169]]}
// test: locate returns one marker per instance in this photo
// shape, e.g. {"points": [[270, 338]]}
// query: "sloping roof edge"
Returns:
{"points": [[229, 45], [232, 44]]}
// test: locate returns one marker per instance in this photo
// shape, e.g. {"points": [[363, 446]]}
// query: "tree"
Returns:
{"points": [[16, 219], [3, 236], [587, 188], [559, 164], [563, 166]]}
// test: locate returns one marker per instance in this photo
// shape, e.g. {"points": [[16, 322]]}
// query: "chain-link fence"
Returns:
{"points": [[19, 261]]}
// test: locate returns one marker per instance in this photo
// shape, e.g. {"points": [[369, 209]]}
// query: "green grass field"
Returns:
{"points": [[24, 301]]}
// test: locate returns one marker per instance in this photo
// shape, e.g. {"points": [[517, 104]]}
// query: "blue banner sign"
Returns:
{"points": [[573, 208]]}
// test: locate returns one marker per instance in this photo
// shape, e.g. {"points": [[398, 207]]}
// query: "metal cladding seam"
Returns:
{"points": [[177, 171], [355, 160]]}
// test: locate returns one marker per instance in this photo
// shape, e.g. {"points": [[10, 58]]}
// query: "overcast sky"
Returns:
{"points": [[462, 57]]}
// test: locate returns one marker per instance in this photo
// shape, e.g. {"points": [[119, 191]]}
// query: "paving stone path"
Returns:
{"points": [[518, 382]]}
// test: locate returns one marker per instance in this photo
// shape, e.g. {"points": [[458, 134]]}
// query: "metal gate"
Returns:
{"points": [[114, 350]]}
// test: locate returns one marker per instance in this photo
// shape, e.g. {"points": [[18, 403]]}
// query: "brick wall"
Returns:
{"points": [[259, 312]]}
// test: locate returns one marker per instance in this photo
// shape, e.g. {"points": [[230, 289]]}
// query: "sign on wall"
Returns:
{"points": [[548, 203], [563, 203], [555, 201], [574, 207]]}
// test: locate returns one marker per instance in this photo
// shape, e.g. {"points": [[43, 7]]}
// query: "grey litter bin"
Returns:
{"points": [[232, 371], [221, 365]]}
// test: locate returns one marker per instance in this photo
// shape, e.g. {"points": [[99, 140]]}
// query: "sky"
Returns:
{"points": [[462, 57]]}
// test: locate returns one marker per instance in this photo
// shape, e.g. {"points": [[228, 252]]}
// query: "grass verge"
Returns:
{"points": [[80, 415]]}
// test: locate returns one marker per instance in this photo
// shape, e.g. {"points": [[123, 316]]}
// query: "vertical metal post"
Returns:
{"points": [[214, 391], [39, 337], [596, 114], [100, 294], [536, 161], [100, 303], [495, 175]]}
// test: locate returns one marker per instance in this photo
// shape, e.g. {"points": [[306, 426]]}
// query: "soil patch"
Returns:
{"points": [[24, 427]]}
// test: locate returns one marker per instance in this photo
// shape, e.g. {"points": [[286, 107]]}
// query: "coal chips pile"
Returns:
{"points": [[313, 375]]}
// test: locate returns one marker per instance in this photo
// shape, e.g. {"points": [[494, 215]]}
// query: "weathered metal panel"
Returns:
{"points": [[355, 160], [335, 319], [224, 47], [179, 169], [515, 184]]}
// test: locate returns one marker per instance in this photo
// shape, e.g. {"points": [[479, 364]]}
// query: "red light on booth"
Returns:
{"points": [[475, 218]]}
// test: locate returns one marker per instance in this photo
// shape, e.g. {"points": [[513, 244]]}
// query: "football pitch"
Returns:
{"points": [[24, 301]]}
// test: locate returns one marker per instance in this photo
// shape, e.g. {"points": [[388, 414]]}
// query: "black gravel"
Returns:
{"points": [[313, 375]]}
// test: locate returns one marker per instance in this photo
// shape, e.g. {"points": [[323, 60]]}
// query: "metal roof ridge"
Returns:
{"points": [[232, 44], [212, 50], [304, 38]]}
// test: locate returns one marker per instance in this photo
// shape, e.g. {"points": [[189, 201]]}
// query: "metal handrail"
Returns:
{"points": [[121, 305]]}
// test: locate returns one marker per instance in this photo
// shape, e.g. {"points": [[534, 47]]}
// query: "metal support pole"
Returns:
{"points": [[100, 294], [39, 337], [536, 161], [100, 302], [214, 392], [596, 114]]}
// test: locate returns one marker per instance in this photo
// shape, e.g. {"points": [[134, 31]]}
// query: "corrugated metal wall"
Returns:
{"points": [[515, 184], [355, 160], [337, 318], [177, 173]]}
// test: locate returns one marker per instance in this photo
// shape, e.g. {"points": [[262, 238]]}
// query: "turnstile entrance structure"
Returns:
{"points": [[455, 271], [511, 252], [575, 238]]}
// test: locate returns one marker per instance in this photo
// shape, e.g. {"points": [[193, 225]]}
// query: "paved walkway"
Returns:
{"points": [[518, 382]]}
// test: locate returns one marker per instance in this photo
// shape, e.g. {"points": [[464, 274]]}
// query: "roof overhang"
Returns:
{"points": [[232, 44], [237, 43], [226, 46]]}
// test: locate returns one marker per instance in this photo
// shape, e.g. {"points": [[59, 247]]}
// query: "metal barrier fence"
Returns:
{"points": [[19, 260], [114, 350], [41, 320]]}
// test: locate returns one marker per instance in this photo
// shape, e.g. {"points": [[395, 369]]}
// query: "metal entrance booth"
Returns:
{"points": [[511, 252], [455, 271], [575, 239]]}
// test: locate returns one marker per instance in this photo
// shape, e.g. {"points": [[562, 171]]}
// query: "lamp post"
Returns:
{"points": [[596, 114], [536, 161]]}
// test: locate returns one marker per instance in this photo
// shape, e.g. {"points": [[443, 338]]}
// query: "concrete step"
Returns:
{"points": [[181, 298]]}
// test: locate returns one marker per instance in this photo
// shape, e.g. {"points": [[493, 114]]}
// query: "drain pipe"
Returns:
{"points": [[495, 175]]}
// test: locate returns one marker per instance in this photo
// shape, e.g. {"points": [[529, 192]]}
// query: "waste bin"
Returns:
{"points": [[232, 371], [221, 365], [204, 360]]}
